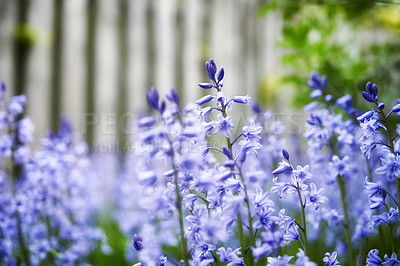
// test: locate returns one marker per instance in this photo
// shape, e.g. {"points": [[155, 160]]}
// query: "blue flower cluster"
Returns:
{"points": [[202, 188], [45, 209]]}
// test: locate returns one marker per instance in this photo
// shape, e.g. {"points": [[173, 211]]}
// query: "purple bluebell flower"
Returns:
{"points": [[396, 108], [331, 259], [153, 98], [302, 173], [261, 199], [242, 99], [291, 234], [346, 103], [283, 167], [252, 131], [204, 99], [328, 98], [2, 90], [261, 251], [366, 115], [316, 82], [340, 167], [221, 74], [256, 108], [211, 68], [173, 96], [137, 242], [147, 121], [390, 166], [264, 217], [16, 104], [373, 258], [303, 260], [368, 97], [314, 197], [376, 194], [392, 261], [285, 154], [206, 85], [279, 261], [394, 215], [162, 260], [224, 125]]}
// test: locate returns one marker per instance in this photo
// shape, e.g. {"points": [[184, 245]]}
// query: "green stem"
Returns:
{"points": [[342, 187], [180, 212], [248, 258], [24, 249], [303, 216], [391, 231]]}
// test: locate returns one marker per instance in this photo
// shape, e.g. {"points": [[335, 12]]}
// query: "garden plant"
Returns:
{"points": [[201, 189]]}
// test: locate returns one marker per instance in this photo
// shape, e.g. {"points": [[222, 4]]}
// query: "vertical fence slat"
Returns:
{"points": [[123, 22], [56, 63], [92, 10], [22, 46]]}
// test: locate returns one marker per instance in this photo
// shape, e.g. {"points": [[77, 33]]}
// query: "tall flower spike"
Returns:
{"points": [[153, 98]]}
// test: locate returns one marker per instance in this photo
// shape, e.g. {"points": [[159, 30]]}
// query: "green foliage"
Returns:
{"points": [[349, 42]]}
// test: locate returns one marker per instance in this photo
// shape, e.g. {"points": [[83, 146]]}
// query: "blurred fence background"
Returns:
{"points": [[75, 57], [94, 60]]}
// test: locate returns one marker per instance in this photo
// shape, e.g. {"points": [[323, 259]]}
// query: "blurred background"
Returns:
{"points": [[93, 60]]}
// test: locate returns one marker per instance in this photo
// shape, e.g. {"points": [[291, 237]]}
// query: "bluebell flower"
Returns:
{"points": [[316, 82], [252, 131], [314, 197], [233, 257], [390, 166], [302, 173], [224, 125], [370, 127], [261, 251], [206, 85], [394, 215], [264, 217], [381, 219], [256, 108], [365, 116], [392, 261], [340, 167], [396, 108], [211, 68], [16, 104], [283, 167], [303, 260], [2, 90], [242, 99], [346, 103], [331, 259], [367, 146], [279, 261], [204, 99], [223, 254], [371, 89], [173, 96], [137, 242], [25, 130], [153, 98], [376, 194], [261, 199], [162, 260], [291, 233], [373, 258], [221, 74]]}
